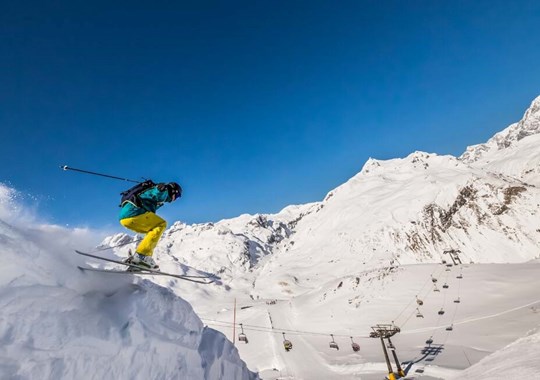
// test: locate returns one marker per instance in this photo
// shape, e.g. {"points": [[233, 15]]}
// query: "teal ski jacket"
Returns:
{"points": [[151, 200]]}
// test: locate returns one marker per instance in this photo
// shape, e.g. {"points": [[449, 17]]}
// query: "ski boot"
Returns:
{"points": [[143, 261]]}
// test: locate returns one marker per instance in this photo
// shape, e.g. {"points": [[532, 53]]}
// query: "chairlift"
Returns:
{"points": [[457, 300], [419, 314], [447, 269], [433, 279], [441, 312], [429, 341], [445, 286], [460, 276], [286, 343], [435, 289], [450, 328], [333, 343], [355, 346], [242, 337], [419, 301]]}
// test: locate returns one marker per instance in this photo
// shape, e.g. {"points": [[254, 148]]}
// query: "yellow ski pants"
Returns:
{"points": [[151, 225]]}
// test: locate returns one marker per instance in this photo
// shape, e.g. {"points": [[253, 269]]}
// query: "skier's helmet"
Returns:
{"points": [[175, 191]]}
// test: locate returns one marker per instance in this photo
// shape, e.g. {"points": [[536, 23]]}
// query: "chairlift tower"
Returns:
{"points": [[383, 332], [454, 255], [393, 348]]}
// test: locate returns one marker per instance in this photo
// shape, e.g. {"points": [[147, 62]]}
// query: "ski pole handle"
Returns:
{"points": [[65, 167]]}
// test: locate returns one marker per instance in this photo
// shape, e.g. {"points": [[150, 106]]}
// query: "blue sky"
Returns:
{"points": [[250, 105]]}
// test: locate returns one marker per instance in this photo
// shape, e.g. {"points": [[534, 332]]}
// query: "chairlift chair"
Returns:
{"points": [[333, 343], [355, 346], [445, 286], [457, 300], [450, 328], [419, 301], [433, 279], [286, 343], [419, 314], [242, 337], [441, 312], [429, 341], [435, 289], [460, 276]]}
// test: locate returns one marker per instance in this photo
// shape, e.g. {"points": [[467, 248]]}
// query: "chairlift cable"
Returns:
{"points": [[275, 330], [407, 306], [423, 297]]}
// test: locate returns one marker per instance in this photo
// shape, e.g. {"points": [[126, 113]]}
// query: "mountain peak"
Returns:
{"points": [[527, 126]]}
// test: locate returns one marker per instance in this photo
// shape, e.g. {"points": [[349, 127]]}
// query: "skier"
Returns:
{"points": [[138, 214]]}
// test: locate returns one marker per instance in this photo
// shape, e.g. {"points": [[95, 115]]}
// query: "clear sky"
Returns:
{"points": [[250, 105]]}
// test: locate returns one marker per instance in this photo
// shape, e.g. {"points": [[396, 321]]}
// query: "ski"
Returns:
{"points": [[142, 270], [137, 266]]}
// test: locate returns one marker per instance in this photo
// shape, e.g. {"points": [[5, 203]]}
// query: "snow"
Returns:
{"points": [[529, 125], [311, 274], [60, 323]]}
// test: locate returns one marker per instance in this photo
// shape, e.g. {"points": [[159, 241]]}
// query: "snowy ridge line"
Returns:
{"points": [[473, 319], [276, 330], [115, 246]]}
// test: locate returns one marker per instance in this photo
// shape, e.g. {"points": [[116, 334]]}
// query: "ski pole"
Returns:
{"points": [[65, 167]]}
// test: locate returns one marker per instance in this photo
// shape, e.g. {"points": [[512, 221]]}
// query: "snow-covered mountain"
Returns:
{"points": [[408, 210]]}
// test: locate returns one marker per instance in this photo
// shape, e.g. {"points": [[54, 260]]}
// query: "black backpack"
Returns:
{"points": [[132, 195]]}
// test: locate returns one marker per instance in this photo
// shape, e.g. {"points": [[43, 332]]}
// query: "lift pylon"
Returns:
{"points": [[393, 348], [383, 331]]}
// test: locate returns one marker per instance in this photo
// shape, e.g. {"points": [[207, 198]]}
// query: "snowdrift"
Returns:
{"points": [[518, 360], [60, 323]]}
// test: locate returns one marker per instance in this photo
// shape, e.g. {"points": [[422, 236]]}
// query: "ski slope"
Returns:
{"points": [[498, 303]]}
